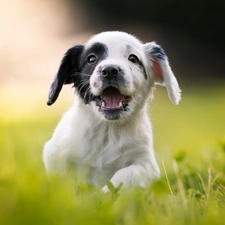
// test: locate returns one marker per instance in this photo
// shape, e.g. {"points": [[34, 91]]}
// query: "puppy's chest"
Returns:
{"points": [[102, 148], [102, 154]]}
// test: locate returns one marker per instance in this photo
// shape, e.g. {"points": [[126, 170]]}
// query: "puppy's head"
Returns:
{"points": [[114, 73]]}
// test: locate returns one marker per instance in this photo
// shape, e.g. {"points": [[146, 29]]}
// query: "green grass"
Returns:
{"points": [[190, 148]]}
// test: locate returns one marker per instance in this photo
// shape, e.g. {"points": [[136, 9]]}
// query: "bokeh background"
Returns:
{"points": [[189, 138], [35, 34]]}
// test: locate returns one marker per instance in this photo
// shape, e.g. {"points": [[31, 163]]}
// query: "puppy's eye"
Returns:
{"points": [[133, 58], [91, 58]]}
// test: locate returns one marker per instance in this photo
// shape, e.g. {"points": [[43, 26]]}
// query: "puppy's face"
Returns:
{"points": [[117, 66], [114, 73]]}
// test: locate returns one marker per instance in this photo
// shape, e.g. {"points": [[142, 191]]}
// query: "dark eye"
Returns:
{"points": [[133, 58], [91, 58]]}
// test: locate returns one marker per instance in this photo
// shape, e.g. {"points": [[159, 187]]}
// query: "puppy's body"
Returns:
{"points": [[107, 135]]}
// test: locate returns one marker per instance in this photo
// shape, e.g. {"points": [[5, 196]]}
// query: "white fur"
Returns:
{"points": [[120, 150]]}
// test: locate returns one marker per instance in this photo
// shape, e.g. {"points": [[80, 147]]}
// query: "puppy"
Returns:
{"points": [[107, 134]]}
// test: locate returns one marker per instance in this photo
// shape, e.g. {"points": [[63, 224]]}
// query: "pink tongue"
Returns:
{"points": [[112, 98]]}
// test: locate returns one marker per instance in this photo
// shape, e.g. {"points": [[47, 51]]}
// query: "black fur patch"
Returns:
{"points": [[86, 69], [158, 52], [143, 68]]}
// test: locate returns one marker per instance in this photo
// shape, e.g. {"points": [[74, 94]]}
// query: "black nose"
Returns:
{"points": [[110, 72]]}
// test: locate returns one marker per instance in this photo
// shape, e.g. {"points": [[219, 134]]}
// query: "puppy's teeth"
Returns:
{"points": [[103, 104], [125, 104], [121, 104]]}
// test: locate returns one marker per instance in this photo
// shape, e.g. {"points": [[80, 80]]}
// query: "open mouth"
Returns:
{"points": [[112, 100]]}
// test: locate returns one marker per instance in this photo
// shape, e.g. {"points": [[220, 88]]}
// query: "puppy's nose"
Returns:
{"points": [[110, 72]]}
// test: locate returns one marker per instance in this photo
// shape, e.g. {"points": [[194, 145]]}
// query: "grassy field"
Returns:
{"points": [[190, 149]]}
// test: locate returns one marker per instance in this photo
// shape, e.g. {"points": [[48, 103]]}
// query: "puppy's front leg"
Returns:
{"points": [[55, 158], [134, 175]]}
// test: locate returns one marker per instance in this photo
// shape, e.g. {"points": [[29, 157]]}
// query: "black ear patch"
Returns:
{"points": [[158, 52], [66, 73]]}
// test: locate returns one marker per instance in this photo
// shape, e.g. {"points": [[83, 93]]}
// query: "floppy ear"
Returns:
{"points": [[66, 72], [162, 73]]}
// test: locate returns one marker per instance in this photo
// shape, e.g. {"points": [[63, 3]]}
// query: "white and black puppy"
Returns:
{"points": [[107, 132]]}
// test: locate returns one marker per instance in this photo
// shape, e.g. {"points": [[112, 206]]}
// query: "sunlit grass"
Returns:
{"points": [[190, 148]]}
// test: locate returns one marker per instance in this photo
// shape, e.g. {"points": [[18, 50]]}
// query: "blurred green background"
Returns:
{"points": [[189, 138]]}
